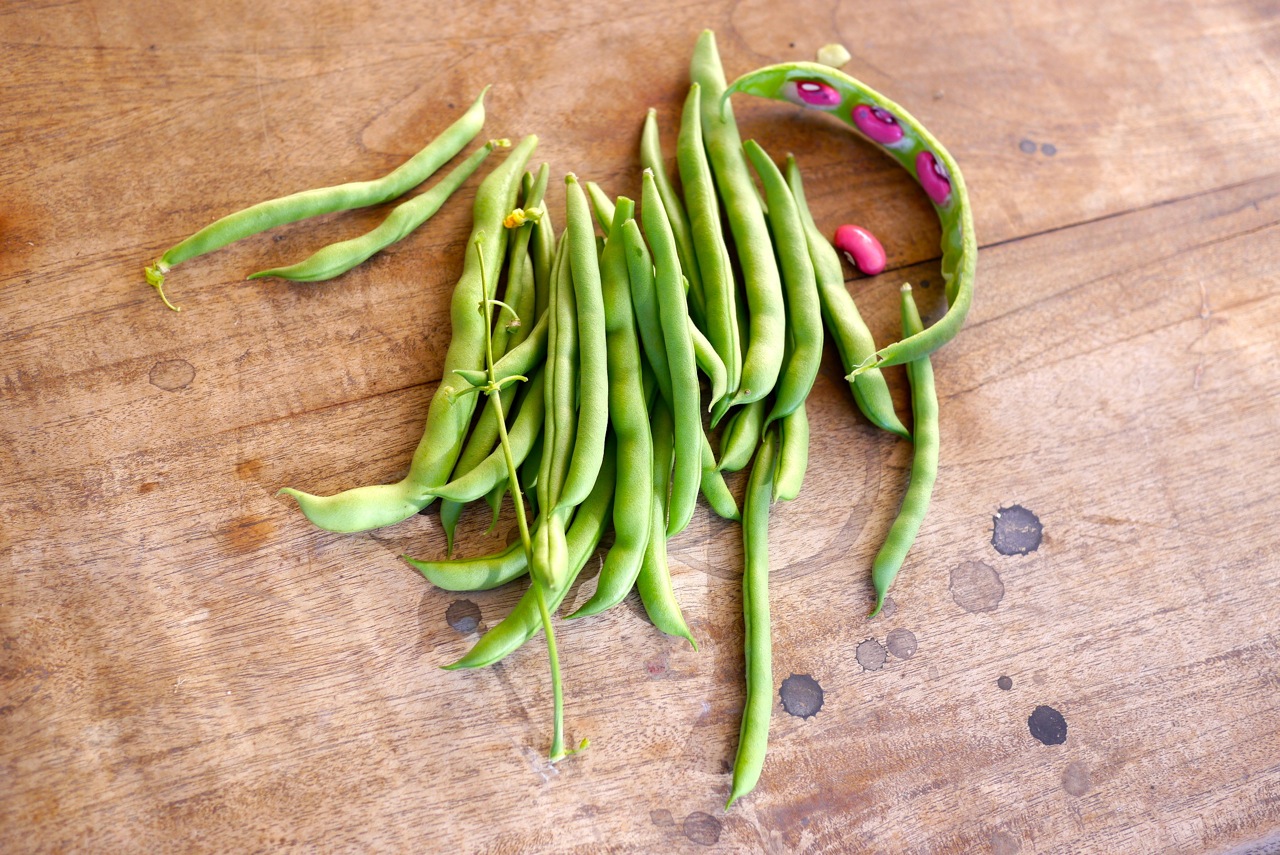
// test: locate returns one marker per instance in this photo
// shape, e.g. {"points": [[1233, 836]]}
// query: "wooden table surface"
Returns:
{"points": [[186, 664]]}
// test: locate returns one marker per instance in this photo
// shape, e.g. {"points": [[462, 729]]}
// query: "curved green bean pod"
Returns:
{"points": [[853, 338], [583, 537], [324, 200], [644, 298], [802, 360], [762, 359], [793, 454], [741, 435], [651, 158], [709, 363], [481, 573], [449, 414], [711, 254], [601, 205], [654, 581], [542, 247], [593, 352], [714, 489], [753, 737], [904, 139], [628, 413], [924, 462], [673, 313], [337, 258]]}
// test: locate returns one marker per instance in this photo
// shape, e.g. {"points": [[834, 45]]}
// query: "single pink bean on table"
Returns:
{"points": [[861, 248]]}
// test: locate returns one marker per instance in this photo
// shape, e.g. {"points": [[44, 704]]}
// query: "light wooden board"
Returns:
{"points": [[187, 665]]}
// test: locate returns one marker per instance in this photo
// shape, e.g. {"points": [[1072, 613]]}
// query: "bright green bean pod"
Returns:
{"points": [[601, 205], [753, 737], [709, 363], [654, 581], [644, 298], [762, 283], [324, 200], [718, 290], [450, 412], [482, 573], [337, 258], [924, 462], [853, 338], [628, 413], [803, 358], [542, 247], [902, 137], [741, 435], [793, 454], [714, 489], [651, 158], [593, 352], [525, 620], [673, 313]]}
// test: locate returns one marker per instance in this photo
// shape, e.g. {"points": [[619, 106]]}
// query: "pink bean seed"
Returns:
{"points": [[861, 248], [933, 178], [815, 93], [878, 124]]}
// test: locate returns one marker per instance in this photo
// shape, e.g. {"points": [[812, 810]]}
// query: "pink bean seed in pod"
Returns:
{"points": [[878, 124], [933, 177], [861, 248], [812, 93]]}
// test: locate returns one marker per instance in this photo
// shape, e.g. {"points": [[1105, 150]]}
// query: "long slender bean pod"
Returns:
{"points": [[601, 205], [709, 363], [651, 158], [673, 313], [714, 489], [761, 281], [654, 582], [718, 289], [324, 200], [644, 298], [741, 435], [803, 358], [924, 462], [481, 573], [905, 139], [753, 737], [337, 258], [793, 454], [584, 535], [449, 414], [852, 337], [593, 374]]}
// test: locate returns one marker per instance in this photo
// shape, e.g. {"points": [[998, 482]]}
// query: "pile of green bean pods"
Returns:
{"points": [[609, 360]]}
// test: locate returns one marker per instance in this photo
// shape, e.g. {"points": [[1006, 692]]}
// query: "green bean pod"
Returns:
{"points": [[525, 620], [853, 339], [714, 489], [762, 283], [753, 737], [803, 358], [601, 205], [628, 414], [337, 258], [924, 462], [651, 158], [793, 454], [673, 313], [542, 247], [644, 299], [654, 582], [905, 139], [481, 573], [324, 200], [718, 290], [709, 363], [593, 355], [741, 435], [449, 414]]}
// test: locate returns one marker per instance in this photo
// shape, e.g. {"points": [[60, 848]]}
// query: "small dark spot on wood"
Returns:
{"points": [[1075, 778], [1048, 149], [661, 817], [277, 238], [452, 106], [1005, 683], [248, 470], [147, 487], [463, 616], [793, 44], [658, 665], [924, 283], [901, 643], [1027, 147], [1047, 725], [801, 695], [870, 655], [1016, 531], [245, 534], [1004, 843], [976, 587], [702, 828], [172, 374]]}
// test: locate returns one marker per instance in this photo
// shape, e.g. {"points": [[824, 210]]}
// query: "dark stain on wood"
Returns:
{"points": [[463, 616], [976, 587], [1047, 725], [901, 643], [871, 655], [245, 534], [801, 695], [1016, 531], [1005, 683], [172, 374], [702, 828]]}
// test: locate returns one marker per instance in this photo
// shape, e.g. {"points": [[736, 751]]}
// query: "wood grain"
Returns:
{"points": [[187, 665]]}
